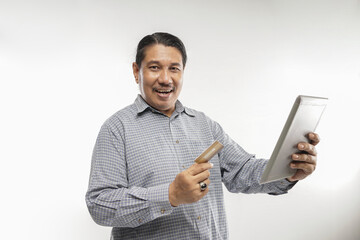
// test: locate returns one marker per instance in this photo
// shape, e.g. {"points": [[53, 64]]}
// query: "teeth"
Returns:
{"points": [[164, 91]]}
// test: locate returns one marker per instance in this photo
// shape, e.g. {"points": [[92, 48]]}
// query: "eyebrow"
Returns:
{"points": [[157, 62]]}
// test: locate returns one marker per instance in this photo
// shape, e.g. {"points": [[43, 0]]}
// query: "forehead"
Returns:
{"points": [[162, 53]]}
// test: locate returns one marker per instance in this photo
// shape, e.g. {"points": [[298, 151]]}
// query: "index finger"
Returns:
{"points": [[197, 168], [314, 138]]}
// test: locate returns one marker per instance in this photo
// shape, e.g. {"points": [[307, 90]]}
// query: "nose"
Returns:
{"points": [[165, 77]]}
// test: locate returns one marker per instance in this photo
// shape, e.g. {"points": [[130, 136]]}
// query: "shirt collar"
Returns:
{"points": [[142, 105]]}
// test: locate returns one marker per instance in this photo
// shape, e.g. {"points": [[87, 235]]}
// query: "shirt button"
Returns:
{"points": [[199, 217], [140, 220], [183, 167], [162, 211], [177, 141]]}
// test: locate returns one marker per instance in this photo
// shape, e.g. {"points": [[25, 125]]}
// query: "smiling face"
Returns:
{"points": [[160, 77]]}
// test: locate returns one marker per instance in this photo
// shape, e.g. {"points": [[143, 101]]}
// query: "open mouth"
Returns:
{"points": [[163, 92]]}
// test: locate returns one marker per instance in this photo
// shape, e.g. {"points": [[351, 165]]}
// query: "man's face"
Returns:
{"points": [[160, 77]]}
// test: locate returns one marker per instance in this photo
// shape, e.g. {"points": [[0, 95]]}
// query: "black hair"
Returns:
{"points": [[166, 39]]}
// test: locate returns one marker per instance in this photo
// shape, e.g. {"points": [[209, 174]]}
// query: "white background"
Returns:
{"points": [[65, 66]]}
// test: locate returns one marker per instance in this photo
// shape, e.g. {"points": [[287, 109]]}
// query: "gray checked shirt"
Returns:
{"points": [[138, 153]]}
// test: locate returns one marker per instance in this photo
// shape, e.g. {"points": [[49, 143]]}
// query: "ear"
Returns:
{"points": [[136, 72]]}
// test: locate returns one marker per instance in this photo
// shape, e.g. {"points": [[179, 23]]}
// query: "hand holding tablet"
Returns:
{"points": [[304, 162], [303, 119]]}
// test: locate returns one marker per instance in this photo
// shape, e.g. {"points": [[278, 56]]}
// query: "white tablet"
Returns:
{"points": [[303, 119]]}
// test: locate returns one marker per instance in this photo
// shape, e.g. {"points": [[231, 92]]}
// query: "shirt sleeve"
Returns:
{"points": [[111, 202], [241, 171]]}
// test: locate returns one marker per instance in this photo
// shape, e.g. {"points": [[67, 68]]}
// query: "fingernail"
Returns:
{"points": [[301, 146], [295, 156], [211, 164]]}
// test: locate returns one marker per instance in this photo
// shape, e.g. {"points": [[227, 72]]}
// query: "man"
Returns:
{"points": [[143, 180]]}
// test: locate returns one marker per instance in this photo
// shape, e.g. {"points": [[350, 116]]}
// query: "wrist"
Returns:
{"points": [[172, 198], [289, 180]]}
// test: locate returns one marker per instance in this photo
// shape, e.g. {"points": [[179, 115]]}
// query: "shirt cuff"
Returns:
{"points": [[159, 201], [283, 186], [287, 184]]}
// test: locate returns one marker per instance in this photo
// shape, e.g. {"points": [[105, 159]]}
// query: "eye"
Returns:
{"points": [[175, 69], [154, 67]]}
